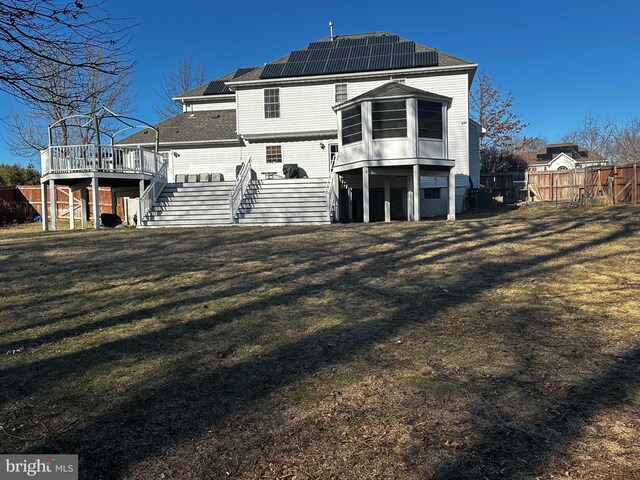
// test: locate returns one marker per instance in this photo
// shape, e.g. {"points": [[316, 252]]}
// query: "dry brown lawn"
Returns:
{"points": [[504, 345]]}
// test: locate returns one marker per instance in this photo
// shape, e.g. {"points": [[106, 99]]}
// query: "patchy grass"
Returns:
{"points": [[499, 346]]}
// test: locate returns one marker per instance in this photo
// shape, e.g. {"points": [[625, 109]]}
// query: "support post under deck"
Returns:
{"points": [[365, 194], [95, 192]]}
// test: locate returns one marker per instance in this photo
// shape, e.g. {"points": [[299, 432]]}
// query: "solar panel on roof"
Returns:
{"points": [[336, 53], [402, 61], [272, 70], [243, 71], [382, 50], [336, 66], [403, 47], [380, 63], [425, 59], [316, 45], [293, 69], [217, 87], [314, 68], [358, 64], [298, 56], [351, 55], [320, 54], [361, 51]]}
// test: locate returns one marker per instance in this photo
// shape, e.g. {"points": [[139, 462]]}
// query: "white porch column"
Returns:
{"points": [[141, 187], [350, 203], [96, 202], [44, 211], [84, 207], [53, 203], [451, 215], [365, 194], [72, 214], [139, 223], [416, 193], [409, 197], [387, 200]]}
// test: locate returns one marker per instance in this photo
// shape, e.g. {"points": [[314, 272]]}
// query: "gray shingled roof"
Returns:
{"points": [[209, 125], [395, 89], [444, 60], [199, 91]]}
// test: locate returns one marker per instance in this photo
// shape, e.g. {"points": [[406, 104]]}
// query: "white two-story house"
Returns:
{"points": [[367, 127]]}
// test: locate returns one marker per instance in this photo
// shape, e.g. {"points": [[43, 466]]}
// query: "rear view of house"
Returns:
{"points": [[361, 127]]}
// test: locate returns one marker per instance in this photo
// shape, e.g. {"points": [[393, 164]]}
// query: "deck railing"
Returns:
{"points": [[99, 158], [152, 192], [332, 191], [237, 192]]}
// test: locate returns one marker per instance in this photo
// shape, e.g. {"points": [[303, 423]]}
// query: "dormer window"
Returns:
{"points": [[430, 120], [389, 119]]}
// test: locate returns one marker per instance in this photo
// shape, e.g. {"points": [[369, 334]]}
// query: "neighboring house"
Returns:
{"points": [[561, 156], [377, 128]]}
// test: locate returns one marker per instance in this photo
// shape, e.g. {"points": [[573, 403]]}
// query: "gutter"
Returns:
{"points": [[355, 75]]}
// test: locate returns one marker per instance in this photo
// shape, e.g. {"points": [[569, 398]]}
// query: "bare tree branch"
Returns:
{"points": [[186, 76], [41, 39]]}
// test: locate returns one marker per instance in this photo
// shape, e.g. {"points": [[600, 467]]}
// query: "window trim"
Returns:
{"points": [[271, 108], [267, 154], [336, 93]]}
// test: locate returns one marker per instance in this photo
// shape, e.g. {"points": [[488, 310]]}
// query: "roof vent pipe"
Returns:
{"points": [[331, 30]]}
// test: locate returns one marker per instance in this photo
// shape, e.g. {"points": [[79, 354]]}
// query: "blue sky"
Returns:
{"points": [[560, 58]]}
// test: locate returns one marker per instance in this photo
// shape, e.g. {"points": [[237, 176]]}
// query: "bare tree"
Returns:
{"points": [[43, 39], [90, 89], [186, 76], [627, 144], [597, 135], [526, 144], [494, 113]]}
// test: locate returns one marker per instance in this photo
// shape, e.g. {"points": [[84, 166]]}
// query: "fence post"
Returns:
{"points": [[635, 185]]}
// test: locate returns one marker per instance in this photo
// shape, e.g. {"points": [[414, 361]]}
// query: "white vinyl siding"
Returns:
{"points": [[309, 109]]}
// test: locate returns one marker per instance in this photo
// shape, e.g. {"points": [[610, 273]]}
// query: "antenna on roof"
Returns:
{"points": [[331, 30]]}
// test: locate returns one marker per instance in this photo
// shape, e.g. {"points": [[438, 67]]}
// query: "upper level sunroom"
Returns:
{"points": [[393, 125]]}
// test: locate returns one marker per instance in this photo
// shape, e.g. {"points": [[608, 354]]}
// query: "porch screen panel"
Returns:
{"points": [[430, 120], [352, 125], [389, 119]]}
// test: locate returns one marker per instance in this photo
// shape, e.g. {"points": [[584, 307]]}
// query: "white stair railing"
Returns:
{"points": [[152, 192], [239, 188], [332, 191]]}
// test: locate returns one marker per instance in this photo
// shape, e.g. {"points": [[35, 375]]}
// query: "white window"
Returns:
{"points": [[271, 103], [274, 153], [341, 92]]}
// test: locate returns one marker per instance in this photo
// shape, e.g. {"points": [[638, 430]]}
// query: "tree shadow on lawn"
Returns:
{"points": [[191, 397]]}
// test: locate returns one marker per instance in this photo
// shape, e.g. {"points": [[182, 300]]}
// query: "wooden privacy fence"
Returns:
{"points": [[31, 195], [510, 186], [618, 183]]}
